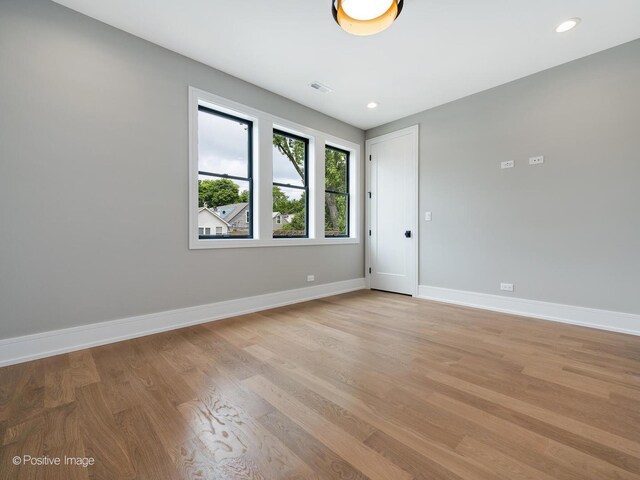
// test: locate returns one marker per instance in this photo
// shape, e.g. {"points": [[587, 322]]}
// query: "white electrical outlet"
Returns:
{"points": [[311, 278], [508, 164], [536, 160], [427, 216], [507, 287]]}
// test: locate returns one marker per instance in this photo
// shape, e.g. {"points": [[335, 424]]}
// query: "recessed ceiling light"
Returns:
{"points": [[372, 105], [567, 25]]}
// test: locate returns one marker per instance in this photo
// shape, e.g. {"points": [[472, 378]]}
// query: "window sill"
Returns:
{"points": [[271, 242]]}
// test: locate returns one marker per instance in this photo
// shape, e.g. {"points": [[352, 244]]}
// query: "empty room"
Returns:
{"points": [[320, 239]]}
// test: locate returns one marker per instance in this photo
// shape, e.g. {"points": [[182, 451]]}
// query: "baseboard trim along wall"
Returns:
{"points": [[46, 344], [586, 317]]}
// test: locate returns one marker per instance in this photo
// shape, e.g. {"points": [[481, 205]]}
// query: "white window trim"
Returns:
{"points": [[263, 126]]}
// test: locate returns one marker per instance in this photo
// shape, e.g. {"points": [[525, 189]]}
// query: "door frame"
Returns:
{"points": [[415, 228]]}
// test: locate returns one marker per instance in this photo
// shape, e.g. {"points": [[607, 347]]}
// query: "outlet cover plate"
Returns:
{"points": [[506, 287]]}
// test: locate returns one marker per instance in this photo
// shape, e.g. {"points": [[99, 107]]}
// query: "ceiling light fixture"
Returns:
{"points": [[366, 17], [567, 25], [372, 105]]}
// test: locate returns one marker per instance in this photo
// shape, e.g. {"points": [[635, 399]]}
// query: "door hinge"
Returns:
{"points": [[369, 194], [369, 157], [369, 269], [369, 232]]}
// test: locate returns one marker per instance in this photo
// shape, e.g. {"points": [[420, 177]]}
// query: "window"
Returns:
{"points": [[224, 173], [290, 184], [231, 168], [336, 192]]}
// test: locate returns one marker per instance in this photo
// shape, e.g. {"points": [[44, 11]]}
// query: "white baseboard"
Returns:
{"points": [[557, 312], [40, 345]]}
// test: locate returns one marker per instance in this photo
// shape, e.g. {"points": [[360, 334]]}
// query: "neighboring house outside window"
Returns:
{"points": [[236, 215], [209, 221], [281, 219]]}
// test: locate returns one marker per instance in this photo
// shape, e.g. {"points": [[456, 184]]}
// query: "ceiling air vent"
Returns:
{"points": [[321, 88]]}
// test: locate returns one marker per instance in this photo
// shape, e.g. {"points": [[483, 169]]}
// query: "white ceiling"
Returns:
{"points": [[437, 50]]}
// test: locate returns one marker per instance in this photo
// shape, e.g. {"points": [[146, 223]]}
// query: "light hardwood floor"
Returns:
{"points": [[362, 385]]}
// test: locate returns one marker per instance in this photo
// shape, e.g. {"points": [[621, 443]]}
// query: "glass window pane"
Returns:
{"points": [[288, 160], [336, 207], [223, 205], [336, 170], [289, 213], [223, 145]]}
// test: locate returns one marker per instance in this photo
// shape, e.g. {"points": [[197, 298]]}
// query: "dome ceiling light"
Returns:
{"points": [[365, 17]]}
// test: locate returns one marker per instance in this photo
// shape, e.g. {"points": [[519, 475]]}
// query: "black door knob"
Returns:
{"points": [[407, 234]]}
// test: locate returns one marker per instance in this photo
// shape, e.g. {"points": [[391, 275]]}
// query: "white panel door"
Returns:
{"points": [[393, 173]]}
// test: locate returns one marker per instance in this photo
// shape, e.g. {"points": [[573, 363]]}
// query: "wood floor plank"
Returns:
{"points": [[140, 441], [101, 436], [412, 439], [23, 439], [348, 422], [230, 434], [61, 426], [320, 459], [21, 391], [532, 445], [363, 458], [113, 371], [630, 447], [194, 461], [419, 466], [59, 387], [361, 385], [503, 465], [82, 367]]}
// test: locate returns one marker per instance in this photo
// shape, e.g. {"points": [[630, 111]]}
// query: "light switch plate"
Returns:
{"points": [[427, 216], [507, 164]]}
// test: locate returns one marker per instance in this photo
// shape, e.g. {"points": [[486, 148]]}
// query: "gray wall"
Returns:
{"points": [[94, 173], [567, 231]]}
